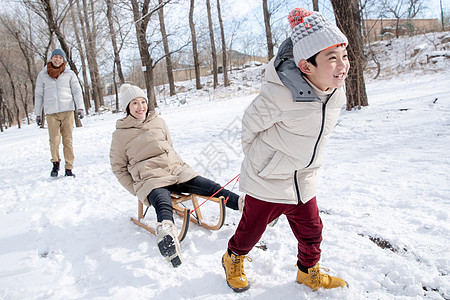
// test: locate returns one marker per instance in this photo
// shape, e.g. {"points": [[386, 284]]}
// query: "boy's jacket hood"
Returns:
{"points": [[291, 76]]}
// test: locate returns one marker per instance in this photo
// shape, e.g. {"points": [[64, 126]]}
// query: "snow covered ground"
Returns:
{"points": [[384, 196]]}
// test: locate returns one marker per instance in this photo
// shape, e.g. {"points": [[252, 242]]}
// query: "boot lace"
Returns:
{"points": [[237, 267], [317, 276]]}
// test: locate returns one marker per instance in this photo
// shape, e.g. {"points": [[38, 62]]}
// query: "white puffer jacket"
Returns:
{"points": [[284, 140], [57, 95]]}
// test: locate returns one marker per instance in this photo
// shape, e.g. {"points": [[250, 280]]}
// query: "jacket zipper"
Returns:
{"points": [[57, 93], [324, 105], [297, 189], [322, 126]]}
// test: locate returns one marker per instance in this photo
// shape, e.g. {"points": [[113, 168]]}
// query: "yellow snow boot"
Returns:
{"points": [[315, 279], [234, 271]]}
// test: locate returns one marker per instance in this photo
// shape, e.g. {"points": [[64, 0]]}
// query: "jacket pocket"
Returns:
{"points": [[270, 167]]}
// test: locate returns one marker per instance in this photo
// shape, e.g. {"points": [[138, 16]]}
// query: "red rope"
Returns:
{"points": [[216, 193]]}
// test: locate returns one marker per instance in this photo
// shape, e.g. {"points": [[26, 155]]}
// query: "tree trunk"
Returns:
{"points": [[23, 91], [85, 85], [54, 27], [13, 88], [112, 33], [141, 19], [213, 45], [315, 5], [89, 37], [116, 90], [348, 18], [84, 34], [94, 31], [226, 82], [169, 67], [2, 110], [268, 30], [10, 116], [33, 71], [91, 51], [194, 47]]}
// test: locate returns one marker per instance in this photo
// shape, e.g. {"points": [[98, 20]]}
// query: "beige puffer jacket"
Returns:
{"points": [[284, 141], [143, 158]]}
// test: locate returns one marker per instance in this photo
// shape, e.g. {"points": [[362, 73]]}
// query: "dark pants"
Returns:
{"points": [[160, 198], [303, 219]]}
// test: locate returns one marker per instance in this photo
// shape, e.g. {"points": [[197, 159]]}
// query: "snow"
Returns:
{"points": [[385, 179], [411, 54]]}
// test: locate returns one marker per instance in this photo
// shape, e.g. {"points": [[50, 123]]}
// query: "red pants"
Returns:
{"points": [[304, 220]]}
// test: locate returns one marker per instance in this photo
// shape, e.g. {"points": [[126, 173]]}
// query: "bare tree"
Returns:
{"points": [[13, 89], [87, 17], [367, 8], [142, 13], [213, 45], [44, 9], [23, 95], [348, 18], [414, 7], [194, 46], [169, 67], [85, 85], [116, 49], [226, 81], [5, 113], [19, 31], [402, 9], [396, 9], [234, 33], [269, 39], [112, 33]]}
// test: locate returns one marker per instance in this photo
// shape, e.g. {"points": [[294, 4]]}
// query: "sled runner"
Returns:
{"points": [[180, 209]]}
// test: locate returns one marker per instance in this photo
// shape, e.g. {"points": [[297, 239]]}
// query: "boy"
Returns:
{"points": [[284, 132]]}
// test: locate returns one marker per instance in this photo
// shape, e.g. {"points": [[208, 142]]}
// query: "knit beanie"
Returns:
{"points": [[130, 92], [59, 52], [312, 33]]}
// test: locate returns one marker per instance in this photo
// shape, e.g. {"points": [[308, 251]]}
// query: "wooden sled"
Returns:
{"points": [[185, 213]]}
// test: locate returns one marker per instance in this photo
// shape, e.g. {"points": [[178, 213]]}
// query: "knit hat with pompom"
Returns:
{"points": [[312, 33], [130, 92]]}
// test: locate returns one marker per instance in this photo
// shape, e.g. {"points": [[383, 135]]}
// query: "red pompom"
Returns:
{"points": [[296, 16]]}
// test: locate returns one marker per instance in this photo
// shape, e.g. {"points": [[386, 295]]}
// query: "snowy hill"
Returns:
{"points": [[418, 54], [384, 196]]}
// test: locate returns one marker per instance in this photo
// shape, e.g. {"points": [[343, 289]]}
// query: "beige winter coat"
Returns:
{"points": [[143, 158], [283, 141]]}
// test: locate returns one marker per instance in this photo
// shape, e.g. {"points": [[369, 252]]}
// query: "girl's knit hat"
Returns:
{"points": [[130, 92], [312, 33]]}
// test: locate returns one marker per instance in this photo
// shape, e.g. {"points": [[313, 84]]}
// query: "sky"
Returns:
{"points": [[241, 8], [383, 195], [245, 7]]}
